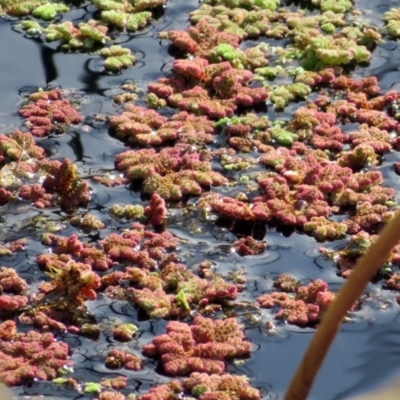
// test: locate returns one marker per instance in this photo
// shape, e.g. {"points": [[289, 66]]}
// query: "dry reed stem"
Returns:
{"points": [[365, 269]]}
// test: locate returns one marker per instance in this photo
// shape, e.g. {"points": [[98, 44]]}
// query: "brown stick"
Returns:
{"points": [[365, 269]]}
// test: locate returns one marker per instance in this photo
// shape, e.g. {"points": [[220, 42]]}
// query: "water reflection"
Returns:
{"points": [[380, 360]]}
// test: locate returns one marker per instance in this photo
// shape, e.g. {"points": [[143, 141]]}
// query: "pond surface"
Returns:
{"points": [[365, 351]]}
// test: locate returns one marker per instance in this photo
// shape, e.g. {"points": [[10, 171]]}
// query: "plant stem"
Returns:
{"points": [[365, 269]]}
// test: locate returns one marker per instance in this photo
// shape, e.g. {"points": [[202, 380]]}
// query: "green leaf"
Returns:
{"points": [[92, 387]]}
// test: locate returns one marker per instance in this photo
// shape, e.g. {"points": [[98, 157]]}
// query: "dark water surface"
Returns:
{"points": [[364, 353]]}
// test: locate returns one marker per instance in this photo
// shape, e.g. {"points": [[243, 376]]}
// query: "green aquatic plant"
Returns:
{"points": [[181, 299], [154, 102], [271, 72], [32, 28], [328, 51], [135, 6], [110, 5], [64, 32], [226, 52], [393, 28], [84, 37], [363, 34], [282, 136], [87, 223], [337, 6], [118, 18], [141, 5], [92, 31], [49, 10], [237, 21], [392, 14], [252, 4], [122, 19], [138, 21], [129, 211], [117, 58], [253, 57], [328, 28], [92, 387], [38, 8], [392, 22], [281, 95], [19, 8]]}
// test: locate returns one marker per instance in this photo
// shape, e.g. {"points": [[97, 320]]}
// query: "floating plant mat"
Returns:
{"points": [[182, 200]]}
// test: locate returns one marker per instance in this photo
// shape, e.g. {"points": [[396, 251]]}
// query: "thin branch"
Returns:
{"points": [[364, 271]]}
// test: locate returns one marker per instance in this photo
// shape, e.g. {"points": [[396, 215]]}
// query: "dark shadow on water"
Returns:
{"points": [[50, 70]]}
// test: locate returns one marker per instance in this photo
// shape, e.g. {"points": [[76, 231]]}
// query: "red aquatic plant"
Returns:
{"points": [[248, 246], [47, 112], [345, 258], [305, 307], [215, 109], [156, 211], [201, 38], [315, 78], [7, 248], [231, 81], [125, 247], [305, 191], [10, 281], [170, 390], [96, 258], [119, 382], [109, 395], [323, 229], [37, 195], [248, 97], [233, 209], [19, 146], [117, 359], [171, 173], [378, 139], [41, 320], [12, 303], [166, 87], [195, 130], [184, 99], [61, 185], [214, 90], [124, 332], [286, 283], [327, 137], [137, 245], [26, 356], [69, 287], [139, 125], [183, 41], [176, 290], [220, 387], [393, 282], [63, 244], [193, 69], [361, 156], [201, 347]]}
